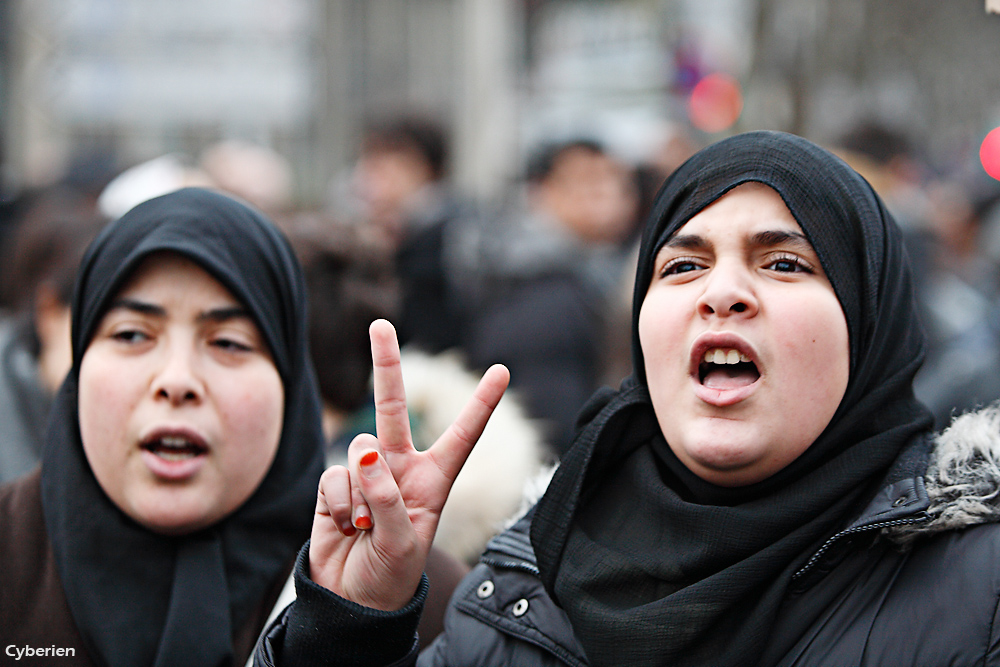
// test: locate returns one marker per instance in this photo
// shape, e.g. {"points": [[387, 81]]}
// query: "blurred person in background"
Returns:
{"points": [[950, 233], [961, 297], [351, 283], [400, 180], [254, 173], [545, 267], [37, 269]]}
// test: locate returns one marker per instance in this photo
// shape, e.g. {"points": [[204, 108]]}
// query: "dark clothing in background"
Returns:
{"points": [[547, 331], [432, 313], [24, 402], [541, 302]]}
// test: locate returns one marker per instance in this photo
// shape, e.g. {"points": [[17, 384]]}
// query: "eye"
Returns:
{"points": [[129, 336], [680, 265], [788, 264], [230, 345]]}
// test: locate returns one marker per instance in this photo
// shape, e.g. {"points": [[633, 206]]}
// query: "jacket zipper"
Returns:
{"points": [[519, 565], [918, 518]]}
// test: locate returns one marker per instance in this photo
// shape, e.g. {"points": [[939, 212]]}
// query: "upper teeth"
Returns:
{"points": [[719, 355], [173, 441]]}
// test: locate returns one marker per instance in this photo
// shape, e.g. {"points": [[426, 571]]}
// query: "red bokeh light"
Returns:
{"points": [[989, 153], [715, 104]]}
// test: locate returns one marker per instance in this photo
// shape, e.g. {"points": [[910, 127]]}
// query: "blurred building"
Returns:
{"points": [[139, 79]]}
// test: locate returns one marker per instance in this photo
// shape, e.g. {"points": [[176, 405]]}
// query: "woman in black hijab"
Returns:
{"points": [[763, 490], [184, 448]]}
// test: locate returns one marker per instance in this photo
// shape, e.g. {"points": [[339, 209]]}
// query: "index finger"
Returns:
{"points": [[392, 420]]}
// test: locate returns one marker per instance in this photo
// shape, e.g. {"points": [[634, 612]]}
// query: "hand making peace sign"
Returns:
{"points": [[390, 491]]}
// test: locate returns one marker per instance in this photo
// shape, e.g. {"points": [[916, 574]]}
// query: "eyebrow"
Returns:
{"points": [[765, 238], [223, 314]]}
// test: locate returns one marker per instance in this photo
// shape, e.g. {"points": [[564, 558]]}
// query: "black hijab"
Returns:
{"points": [[654, 565], [137, 597]]}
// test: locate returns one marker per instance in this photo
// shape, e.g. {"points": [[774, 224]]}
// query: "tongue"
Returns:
{"points": [[729, 377]]}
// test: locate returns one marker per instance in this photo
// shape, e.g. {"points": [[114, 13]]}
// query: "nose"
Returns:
{"points": [[728, 292], [177, 380]]}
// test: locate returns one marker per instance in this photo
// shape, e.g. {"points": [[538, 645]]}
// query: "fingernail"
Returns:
{"points": [[348, 529], [363, 522], [368, 465]]}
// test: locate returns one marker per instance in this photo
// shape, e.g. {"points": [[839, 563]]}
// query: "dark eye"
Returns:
{"points": [[678, 266], [230, 345], [789, 265], [129, 336]]}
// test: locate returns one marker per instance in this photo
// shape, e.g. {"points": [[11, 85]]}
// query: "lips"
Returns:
{"points": [[724, 368], [174, 453]]}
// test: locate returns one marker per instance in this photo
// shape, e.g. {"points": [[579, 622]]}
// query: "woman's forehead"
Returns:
{"points": [[748, 204], [168, 269]]}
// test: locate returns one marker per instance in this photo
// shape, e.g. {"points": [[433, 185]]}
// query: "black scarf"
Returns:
{"points": [[655, 566], [137, 597]]}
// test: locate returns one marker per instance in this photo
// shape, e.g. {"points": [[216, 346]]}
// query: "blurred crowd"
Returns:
{"points": [[537, 280]]}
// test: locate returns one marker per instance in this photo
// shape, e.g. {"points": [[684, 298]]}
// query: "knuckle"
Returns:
{"points": [[392, 406], [382, 495]]}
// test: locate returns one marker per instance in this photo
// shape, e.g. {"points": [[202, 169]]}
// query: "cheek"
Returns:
{"points": [[105, 401], [253, 418], [662, 337], [816, 347]]}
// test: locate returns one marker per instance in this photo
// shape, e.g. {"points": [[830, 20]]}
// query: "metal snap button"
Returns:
{"points": [[899, 501], [520, 607], [485, 589]]}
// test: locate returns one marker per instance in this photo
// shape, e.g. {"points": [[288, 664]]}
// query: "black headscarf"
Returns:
{"points": [[654, 565], [137, 597]]}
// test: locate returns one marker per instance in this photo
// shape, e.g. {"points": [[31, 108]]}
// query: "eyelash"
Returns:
{"points": [[668, 268], [672, 266], [798, 262], [129, 336], [231, 345]]}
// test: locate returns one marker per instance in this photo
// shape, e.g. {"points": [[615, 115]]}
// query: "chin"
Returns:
{"points": [[178, 521], [728, 464]]}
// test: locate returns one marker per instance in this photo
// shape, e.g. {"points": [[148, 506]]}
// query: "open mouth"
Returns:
{"points": [[726, 368], [174, 448]]}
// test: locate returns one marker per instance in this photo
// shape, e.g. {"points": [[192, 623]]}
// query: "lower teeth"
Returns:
{"points": [[174, 456]]}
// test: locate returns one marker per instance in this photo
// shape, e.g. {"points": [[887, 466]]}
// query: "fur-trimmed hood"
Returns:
{"points": [[963, 477]]}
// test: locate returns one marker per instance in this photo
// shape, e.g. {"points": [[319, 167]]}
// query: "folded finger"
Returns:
{"points": [[361, 514], [334, 498], [390, 523]]}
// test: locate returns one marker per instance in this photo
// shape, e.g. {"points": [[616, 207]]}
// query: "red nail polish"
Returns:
{"points": [[363, 522], [369, 458], [349, 530]]}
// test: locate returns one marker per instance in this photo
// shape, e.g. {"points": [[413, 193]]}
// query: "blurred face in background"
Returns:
{"points": [[591, 194], [386, 181], [181, 406]]}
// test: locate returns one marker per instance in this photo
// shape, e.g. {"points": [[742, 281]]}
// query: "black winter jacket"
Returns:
{"points": [[924, 559]]}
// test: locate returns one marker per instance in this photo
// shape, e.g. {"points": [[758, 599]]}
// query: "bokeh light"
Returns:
{"points": [[715, 103], [989, 153]]}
